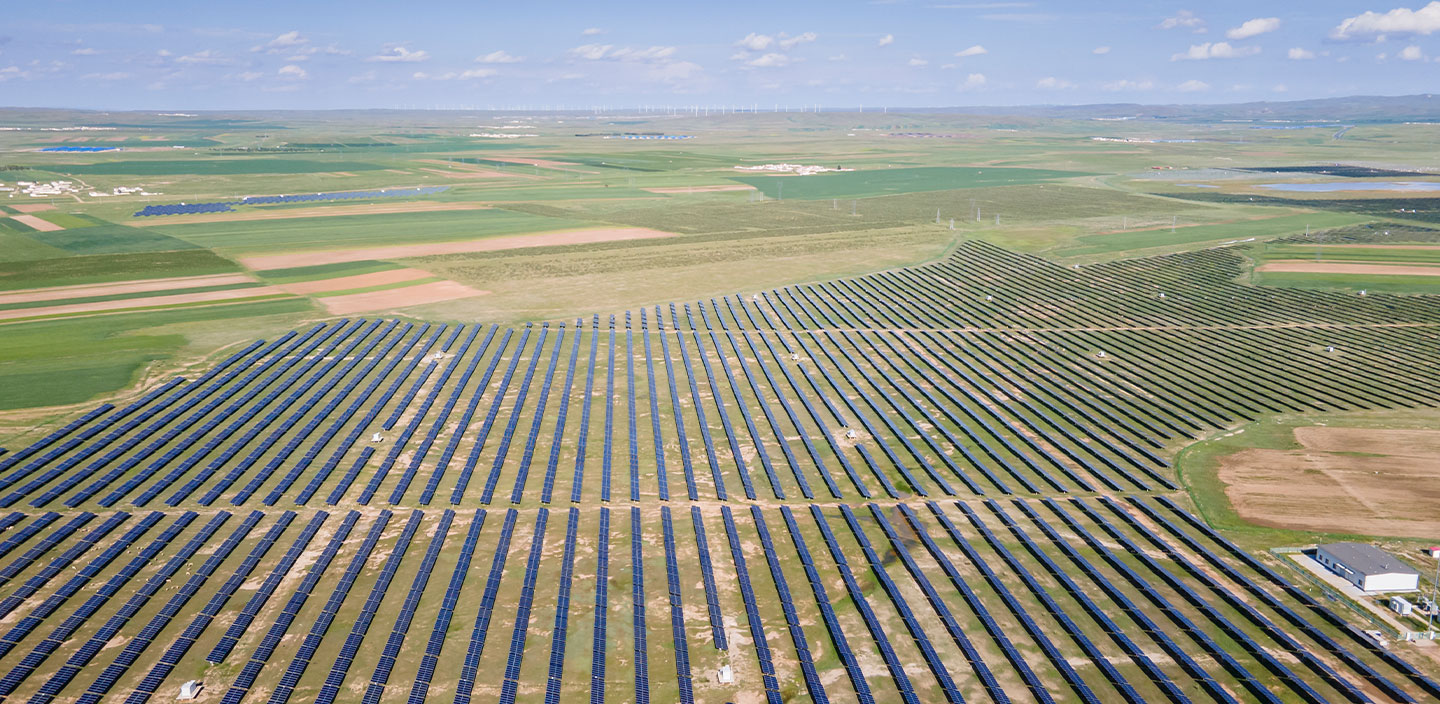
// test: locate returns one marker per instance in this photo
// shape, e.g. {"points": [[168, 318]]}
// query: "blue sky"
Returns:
{"points": [[263, 54]]}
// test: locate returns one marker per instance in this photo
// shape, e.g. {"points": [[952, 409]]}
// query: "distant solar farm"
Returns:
{"points": [[228, 206], [939, 483]]}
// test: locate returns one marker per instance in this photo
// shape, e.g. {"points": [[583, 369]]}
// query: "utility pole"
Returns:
{"points": [[937, 216]]}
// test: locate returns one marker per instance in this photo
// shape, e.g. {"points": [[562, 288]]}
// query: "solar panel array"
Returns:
{"points": [[862, 401], [226, 206]]}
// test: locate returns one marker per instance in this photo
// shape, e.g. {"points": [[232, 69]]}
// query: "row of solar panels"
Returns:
{"points": [[225, 206], [677, 611]]}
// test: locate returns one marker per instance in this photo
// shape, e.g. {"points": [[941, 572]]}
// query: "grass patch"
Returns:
{"points": [[59, 362], [211, 165], [110, 239], [379, 287], [325, 271], [1377, 283], [98, 269], [874, 182], [68, 220], [1163, 237], [19, 248], [127, 296]]}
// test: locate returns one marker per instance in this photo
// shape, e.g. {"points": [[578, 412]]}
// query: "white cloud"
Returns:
{"points": [[293, 71], [1254, 28], [163, 52], [393, 53], [85, 51], [115, 76], [591, 52], [654, 53], [10, 72], [1126, 84], [1053, 83], [771, 60], [886, 40], [837, 57], [366, 77], [674, 71], [1183, 19], [792, 42], [1193, 86], [1100, 50], [498, 56], [248, 76], [1218, 50], [288, 41], [471, 74], [917, 61], [1411, 53], [592, 31], [206, 57], [973, 81], [756, 42], [1400, 20], [976, 50], [1300, 54]]}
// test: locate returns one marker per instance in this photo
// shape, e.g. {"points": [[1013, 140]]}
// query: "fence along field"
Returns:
{"points": [[948, 482]]}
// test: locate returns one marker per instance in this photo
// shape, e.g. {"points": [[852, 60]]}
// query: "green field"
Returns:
{"points": [[209, 165], [105, 268]]}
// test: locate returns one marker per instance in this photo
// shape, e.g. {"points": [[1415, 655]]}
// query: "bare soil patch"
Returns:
{"points": [[435, 292], [539, 239], [701, 189], [1392, 492], [97, 306], [33, 207], [325, 211], [344, 283], [1302, 266], [86, 290], [37, 223]]}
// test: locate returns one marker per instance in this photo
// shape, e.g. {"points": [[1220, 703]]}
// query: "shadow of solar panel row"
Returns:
{"points": [[177, 650], [752, 611], [677, 610], [241, 622], [522, 468], [137, 645], [857, 595], [1186, 624], [1410, 672], [225, 206], [420, 689], [77, 618], [827, 613], [325, 413], [358, 629], [508, 435], [599, 644], [439, 423], [561, 627], [307, 377], [813, 686], [273, 636], [391, 653], [462, 481], [302, 365], [511, 682], [355, 432], [1108, 625], [173, 430], [637, 609], [465, 687], [89, 432], [203, 384]]}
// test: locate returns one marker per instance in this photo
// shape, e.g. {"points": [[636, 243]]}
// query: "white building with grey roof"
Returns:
{"points": [[1368, 567]]}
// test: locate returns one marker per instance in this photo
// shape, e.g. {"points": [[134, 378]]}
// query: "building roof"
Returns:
{"points": [[1367, 559]]}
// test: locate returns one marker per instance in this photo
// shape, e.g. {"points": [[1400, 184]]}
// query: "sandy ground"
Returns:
{"points": [[1300, 266], [85, 290], [539, 239], [138, 302], [1385, 493], [33, 207], [37, 223], [435, 292], [323, 211], [345, 283], [701, 189]]}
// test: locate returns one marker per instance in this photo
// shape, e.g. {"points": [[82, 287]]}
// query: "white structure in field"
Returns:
{"points": [[1368, 567], [1401, 605], [190, 690]]}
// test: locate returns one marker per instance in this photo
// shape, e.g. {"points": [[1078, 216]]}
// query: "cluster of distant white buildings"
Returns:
{"points": [[36, 189], [500, 135], [124, 191], [798, 169]]}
